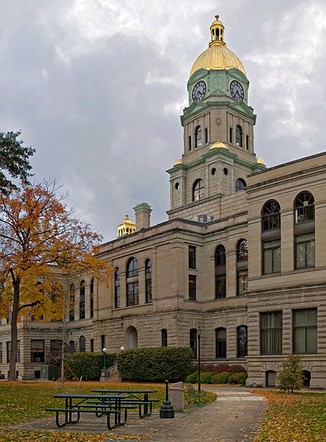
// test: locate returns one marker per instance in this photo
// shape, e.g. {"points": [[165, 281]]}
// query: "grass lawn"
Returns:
{"points": [[26, 401], [293, 417], [298, 417]]}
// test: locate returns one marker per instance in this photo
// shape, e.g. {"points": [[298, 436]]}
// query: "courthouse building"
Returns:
{"points": [[240, 260]]}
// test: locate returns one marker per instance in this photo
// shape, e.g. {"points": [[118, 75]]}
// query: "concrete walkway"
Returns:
{"points": [[235, 416]]}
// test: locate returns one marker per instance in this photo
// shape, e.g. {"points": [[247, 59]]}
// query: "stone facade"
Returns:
{"points": [[240, 260]]}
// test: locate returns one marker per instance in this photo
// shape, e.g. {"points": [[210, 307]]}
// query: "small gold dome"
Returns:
{"points": [[126, 227], [217, 56], [177, 162], [261, 161], [218, 145]]}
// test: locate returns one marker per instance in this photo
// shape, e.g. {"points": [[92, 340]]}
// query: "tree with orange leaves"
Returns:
{"points": [[41, 247]]}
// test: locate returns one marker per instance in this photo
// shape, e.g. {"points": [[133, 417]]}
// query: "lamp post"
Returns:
{"points": [[199, 332], [104, 358]]}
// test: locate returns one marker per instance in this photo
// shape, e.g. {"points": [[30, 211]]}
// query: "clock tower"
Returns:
{"points": [[218, 124]]}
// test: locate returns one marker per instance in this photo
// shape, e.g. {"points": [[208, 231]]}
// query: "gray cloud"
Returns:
{"points": [[98, 87]]}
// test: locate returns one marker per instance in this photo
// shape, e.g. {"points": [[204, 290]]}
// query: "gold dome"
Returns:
{"points": [[261, 161], [126, 227], [217, 56], [218, 145], [177, 162]]}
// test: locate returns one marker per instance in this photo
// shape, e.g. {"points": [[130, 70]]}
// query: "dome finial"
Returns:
{"points": [[217, 31]]}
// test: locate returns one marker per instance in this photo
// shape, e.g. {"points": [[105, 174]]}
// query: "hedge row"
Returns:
{"points": [[86, 365], [156, 364], [212, 377]]}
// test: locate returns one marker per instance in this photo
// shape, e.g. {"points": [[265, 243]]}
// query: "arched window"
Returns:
{"points": [[82, 344], [148, 281], [238, 136], [240, 184], [198, 190], [132, 282], [242, 341], [131, 337], [271, 237], [198, 136], [304, 230], [193, 341], [220, 343], [116, 288], [72, 302], [271, 216], [220, 272], [91, 298], [132, 268], [82, 300], [242, 267], [304, 208]]}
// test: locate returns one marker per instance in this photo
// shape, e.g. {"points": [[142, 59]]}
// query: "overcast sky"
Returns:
{"points": [[98, 87]]}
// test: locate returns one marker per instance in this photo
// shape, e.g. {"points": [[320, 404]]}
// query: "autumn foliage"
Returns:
{"points": [[41, 248]]}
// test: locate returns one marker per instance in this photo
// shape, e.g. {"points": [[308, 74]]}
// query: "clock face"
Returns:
{"points": [[199, 91], [236, 90]]}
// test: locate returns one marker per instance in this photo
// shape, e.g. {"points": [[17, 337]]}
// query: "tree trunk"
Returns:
{"points": [[14, 332]]}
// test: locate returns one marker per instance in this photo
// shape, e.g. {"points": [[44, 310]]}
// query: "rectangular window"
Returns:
{"points": [[132, 293], [192, 257], [206, 135], [37, 350], [272, 257], [220, 342], [231, 135], [305, 331], [242, 283], [9, 352], [164, 337], [117, 296], [271, 333], [189, 143], [55, 351], [0, 352], [103, 342], [192, 287], [220, 286], [305, 251], [193, 341], [247, 142]]}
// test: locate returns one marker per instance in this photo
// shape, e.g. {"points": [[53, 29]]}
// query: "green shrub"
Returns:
{"points": [[290, 377], [238, 378], [86, 365], [156, 364], [213, 377], [192, 378], [222, 378]]}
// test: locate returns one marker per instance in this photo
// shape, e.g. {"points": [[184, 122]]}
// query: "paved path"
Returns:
{"points": [[235, 416]]}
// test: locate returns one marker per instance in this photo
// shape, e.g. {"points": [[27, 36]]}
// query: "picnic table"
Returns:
{"points": [[103, 402], [134, 397], [99, 404]]}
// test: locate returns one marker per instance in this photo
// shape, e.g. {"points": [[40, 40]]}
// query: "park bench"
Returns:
{"points": [[192, 393]]}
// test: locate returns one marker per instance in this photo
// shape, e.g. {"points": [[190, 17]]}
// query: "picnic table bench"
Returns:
{"points": [[99, 404], [139, 398], [103, 402]]}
